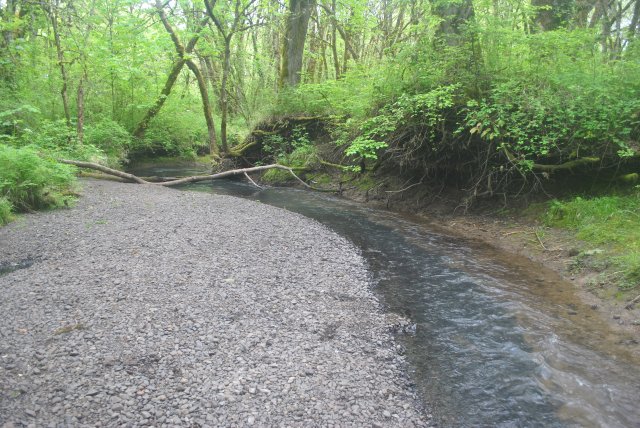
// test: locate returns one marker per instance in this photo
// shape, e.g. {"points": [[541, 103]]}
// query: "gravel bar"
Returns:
{"points": [[151, 306]]}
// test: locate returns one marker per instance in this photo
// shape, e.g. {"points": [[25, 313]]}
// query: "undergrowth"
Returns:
{"points": [[29, 182], [612, 222]]}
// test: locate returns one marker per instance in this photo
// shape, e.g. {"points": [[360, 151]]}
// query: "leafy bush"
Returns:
{"points": [[176, 131], [279, 146], [12, 120], [111, 138], [56, 139], [296, 152], [29, 182], [556, 123], [365, 148], [412, 123], [355, 95]]}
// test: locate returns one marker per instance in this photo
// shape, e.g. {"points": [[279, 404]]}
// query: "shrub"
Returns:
{"points": [[56, 139], [29, 182], [176, 131], [5, 211], [111, 138]]}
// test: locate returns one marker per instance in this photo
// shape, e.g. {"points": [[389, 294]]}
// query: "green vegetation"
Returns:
{"points": [[5, 211], [492, 99], [611, 224], [29, 182]]}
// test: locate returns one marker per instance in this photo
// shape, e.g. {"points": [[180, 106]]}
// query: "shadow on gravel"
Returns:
{"points": [[8, 267]]}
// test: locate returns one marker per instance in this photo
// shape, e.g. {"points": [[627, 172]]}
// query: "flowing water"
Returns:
{"points": [[499, 341]]}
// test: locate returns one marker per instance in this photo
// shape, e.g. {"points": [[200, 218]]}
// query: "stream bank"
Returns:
{"points": [[519, 233], [497, 340], [516, 232]]}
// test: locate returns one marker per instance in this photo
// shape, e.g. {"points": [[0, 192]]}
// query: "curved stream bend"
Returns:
{"points": [[498, 342]]}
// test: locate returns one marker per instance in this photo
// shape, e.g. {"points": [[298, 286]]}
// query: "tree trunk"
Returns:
{"points": [[202, 84], [173, 74], [294, 40], [211, 76], [334, 48], [206, 107], [552, 14], [633, 25], [80, 100], [61, 63], [581, 13], [455, 17], [224, 100], [314, 46], [7, 17], [164, 94], [185, 180]]}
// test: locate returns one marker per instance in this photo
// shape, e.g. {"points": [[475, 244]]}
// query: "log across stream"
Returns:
{"points": [[499, 341]]}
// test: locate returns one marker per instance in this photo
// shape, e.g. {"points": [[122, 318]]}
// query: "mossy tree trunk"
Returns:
{"points": [[53, 9], [182, 59], [294, 40], [164, 94], [241, 11]]}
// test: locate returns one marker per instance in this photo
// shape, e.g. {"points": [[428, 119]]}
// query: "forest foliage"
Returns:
{"points": [[495, 97]]}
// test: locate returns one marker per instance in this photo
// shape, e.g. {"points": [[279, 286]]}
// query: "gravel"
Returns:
{"points": [[151, 306]]}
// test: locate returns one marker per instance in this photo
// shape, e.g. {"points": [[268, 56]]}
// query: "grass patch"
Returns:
{"points": [[365, 182], [69, 328], [612, 223]]}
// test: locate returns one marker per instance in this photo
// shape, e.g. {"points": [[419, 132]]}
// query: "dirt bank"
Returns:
{"points": [[552, 249]]}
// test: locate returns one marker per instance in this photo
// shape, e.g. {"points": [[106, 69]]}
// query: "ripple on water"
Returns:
{"points": [[499, 342]]}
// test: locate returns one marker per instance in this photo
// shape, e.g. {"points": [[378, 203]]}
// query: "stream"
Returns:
{"points": [[499, 341]]}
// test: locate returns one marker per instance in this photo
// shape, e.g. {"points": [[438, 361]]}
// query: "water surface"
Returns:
{"points": [[499, 341]]}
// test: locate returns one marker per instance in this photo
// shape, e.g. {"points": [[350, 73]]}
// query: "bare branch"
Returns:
{"points": [[191, 179]]}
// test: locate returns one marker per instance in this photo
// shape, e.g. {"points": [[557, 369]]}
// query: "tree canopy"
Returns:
{"points": [[485, 92]]}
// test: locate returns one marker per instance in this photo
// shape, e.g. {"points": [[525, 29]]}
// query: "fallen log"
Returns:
{"points": [[103, 176], [106, 170], [191, 179]]}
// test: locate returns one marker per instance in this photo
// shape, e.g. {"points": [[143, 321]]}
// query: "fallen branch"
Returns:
{"points": [[335, 165], [633, 302], [191, 179], [540, 240], [252, 182], [576, 163], [106, 170], [569, 165]]}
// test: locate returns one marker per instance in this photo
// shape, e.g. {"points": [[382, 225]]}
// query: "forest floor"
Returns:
{"points": [[144, 305]]}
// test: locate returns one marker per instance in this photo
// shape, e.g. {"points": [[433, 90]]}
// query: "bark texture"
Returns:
{"points": [[185, 180], [295, 36], [183, 52]]}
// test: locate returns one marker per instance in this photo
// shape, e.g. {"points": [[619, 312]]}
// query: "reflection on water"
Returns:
{"points": [[498, 341]]}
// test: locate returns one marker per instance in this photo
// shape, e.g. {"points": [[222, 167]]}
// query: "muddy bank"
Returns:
{"points": [[557, 252], [152, 306]]}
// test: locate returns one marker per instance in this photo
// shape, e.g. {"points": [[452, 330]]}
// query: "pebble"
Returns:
{"points": [[194, 309]]}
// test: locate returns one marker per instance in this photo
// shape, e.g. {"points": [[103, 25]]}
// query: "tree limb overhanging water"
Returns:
{"points": [[193, 178]]}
